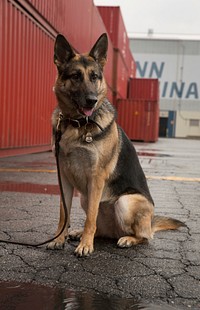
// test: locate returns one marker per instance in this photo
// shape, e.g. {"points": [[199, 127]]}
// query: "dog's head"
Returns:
{"points": [[80, 85]]}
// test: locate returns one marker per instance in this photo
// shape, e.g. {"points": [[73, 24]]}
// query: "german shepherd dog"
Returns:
{"points": [[97, 158]]}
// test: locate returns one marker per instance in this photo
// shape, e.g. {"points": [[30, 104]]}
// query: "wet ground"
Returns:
{"points": [[163, 274], [30, 296]]}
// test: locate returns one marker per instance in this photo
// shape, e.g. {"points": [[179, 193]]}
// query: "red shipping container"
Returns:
{"points": [[120, 76], [114, 24], [98, 28], [27, 76], [144, 89], [109, 94], [139, 119], [131, 65], [72, 18]]}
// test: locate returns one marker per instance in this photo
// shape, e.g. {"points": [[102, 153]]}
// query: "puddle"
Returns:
{"points": [[18, 296], [37, 164], [33, 188], [20, 187], [150, 154]]}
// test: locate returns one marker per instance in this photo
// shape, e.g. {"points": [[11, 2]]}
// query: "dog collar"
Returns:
{"points": [[78, 123]]}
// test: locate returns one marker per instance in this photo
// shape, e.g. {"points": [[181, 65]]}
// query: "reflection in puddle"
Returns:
{"points": [[151, 154], [18, 296], [22, 187], [33, 188]]}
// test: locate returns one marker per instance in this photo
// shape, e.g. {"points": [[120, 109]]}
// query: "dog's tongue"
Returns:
{"points": [[88, 112]]}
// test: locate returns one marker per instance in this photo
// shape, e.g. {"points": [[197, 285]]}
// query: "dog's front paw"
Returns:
{"points": [[84, 249], [57, 244]]}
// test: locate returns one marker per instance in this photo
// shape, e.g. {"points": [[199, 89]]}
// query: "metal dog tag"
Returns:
{"points": [[88, 137]]}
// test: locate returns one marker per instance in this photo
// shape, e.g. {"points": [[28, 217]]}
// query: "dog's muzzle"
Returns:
{"points": [[90, 102]]}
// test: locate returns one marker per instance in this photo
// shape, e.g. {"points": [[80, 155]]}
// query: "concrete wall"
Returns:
{"points": [[187, 124]]}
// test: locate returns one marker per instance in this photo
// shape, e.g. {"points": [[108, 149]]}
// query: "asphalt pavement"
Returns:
{"points": [[166, 271]]}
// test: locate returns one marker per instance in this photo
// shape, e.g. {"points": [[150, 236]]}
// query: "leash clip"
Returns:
{"points": [[88, 136], [59, 121]]}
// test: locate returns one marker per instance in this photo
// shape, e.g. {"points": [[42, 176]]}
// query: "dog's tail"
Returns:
{"points": [[165, 223]]}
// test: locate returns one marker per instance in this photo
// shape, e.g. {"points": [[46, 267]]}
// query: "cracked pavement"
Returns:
{"points": [[165, 271]]}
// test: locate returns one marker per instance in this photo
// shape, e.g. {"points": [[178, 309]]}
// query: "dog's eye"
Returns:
{"points": [[93, 77], [76, 77]]}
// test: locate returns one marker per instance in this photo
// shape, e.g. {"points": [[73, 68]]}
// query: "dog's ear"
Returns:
{"points": [[63, 51], [99, 50]]}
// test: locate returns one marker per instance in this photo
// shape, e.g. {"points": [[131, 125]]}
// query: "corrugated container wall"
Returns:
{"points": [[131, 65], [26, 78], [120, 76], [114, 23], [139, 119], [72, 18], [124, 65], [147, 89], [97, 29]]}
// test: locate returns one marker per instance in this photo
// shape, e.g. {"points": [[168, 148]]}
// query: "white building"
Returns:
{"points": [[176, 63]]}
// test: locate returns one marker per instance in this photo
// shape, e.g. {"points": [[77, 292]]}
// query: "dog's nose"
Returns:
{"points": [[91, 100]]}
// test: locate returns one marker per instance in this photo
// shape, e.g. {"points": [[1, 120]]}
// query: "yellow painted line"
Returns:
{"points": [[150, 177], [173, 178], [27, 170]]}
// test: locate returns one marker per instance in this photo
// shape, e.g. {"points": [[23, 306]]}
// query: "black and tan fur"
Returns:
{"points": [[106, 171]]}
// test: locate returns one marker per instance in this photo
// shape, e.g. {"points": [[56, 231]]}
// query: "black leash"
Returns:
{"points": [[58, 135]]}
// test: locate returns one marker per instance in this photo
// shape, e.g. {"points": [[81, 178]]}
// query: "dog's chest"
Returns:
{"points": [[78, 161], [85, 162], [79, 158]]}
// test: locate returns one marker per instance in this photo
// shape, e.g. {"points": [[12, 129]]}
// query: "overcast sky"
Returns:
{"points": [[163, 16]]}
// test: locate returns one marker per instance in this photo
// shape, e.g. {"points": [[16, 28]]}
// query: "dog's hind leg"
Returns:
{"points": [[134, 215]]}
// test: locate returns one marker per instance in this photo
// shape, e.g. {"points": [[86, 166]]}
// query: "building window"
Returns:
{"points": [[194, 122]]}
